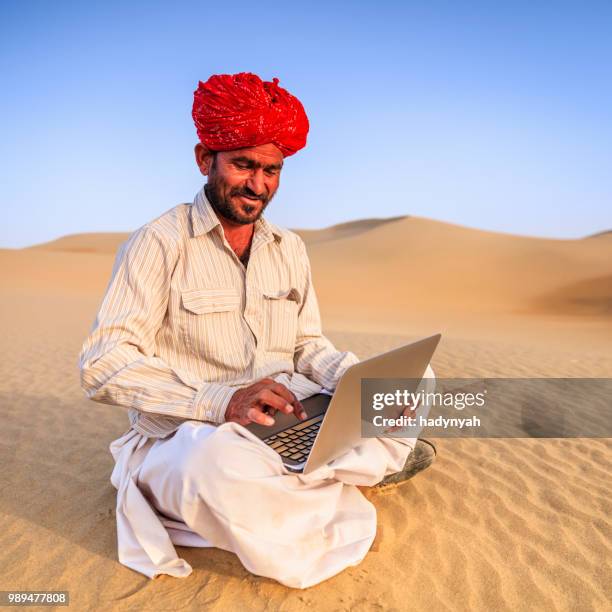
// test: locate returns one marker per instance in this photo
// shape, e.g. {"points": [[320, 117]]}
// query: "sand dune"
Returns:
{"points": [[417, 263], [101, 243], [591, 296], [343, 230], [607, 235], [493, 525], [58, 272], [108, 243], [410, 263]]}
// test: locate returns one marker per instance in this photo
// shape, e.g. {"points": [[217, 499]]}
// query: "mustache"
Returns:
{"points": [[249, 194]]}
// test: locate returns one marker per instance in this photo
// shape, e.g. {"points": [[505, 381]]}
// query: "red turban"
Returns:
{"points": [[232, 111]]}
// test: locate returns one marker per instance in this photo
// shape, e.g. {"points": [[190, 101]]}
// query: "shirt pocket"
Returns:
{"points": [[281, 320], [211, 322]]}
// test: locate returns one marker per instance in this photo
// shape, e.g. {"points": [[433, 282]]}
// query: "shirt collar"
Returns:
{"points": [[204, 219]]}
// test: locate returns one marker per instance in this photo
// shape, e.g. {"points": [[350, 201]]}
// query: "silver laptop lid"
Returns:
{"points": [[341, 427]]}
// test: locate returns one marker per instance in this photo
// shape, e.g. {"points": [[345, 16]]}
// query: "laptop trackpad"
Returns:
{"points": [[314, 406]]}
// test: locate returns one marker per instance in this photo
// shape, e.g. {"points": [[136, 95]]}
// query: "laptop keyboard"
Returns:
{"points": [[295, 443]]}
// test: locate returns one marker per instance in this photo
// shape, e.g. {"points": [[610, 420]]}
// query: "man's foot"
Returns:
{"points": [[421, 457]]}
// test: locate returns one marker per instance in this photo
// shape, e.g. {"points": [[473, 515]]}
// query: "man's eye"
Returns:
{"points": [[272, 172], [240, 166]]}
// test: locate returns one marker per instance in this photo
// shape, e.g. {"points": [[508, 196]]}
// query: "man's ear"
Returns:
{"points": [[203, 157]]}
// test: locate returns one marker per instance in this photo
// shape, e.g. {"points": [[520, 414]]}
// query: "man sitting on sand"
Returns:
{"points": [[211, 322]]}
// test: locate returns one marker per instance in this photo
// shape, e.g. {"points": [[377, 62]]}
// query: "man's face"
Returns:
{"points": [[242, 182]]}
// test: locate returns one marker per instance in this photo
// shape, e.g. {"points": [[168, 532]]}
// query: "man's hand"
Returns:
{"points": [[250, 404]]}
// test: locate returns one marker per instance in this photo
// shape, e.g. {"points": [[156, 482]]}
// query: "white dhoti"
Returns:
{"points": [[223, 487]]}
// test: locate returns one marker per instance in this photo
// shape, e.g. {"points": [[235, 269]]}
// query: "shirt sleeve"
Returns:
{"points": [[315, 356], [117, 362]]}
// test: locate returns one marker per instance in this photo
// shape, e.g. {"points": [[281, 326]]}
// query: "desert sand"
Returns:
{"points": [[494, 524]]}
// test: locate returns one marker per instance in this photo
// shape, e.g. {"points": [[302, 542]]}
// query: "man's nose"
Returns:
{"points": [[256, 182]]}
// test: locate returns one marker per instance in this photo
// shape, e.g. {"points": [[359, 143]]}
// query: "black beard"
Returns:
{"points": [[225, 207]]}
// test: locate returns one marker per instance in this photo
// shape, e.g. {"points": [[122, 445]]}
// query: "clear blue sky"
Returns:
{"points": [[488, 114]]}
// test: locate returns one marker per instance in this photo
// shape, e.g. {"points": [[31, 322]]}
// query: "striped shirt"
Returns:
{"points": [[184, 323]]}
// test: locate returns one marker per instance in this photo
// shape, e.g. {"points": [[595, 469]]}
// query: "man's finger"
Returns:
{"points": [[268, 397], [257, 416], [282, 390], [299, 410]]}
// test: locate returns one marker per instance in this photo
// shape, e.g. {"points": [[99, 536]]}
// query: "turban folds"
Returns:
{"points": [[232, 111]]}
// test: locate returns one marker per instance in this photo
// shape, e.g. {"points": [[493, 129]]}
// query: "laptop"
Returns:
{"points": [[333, 425]]}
